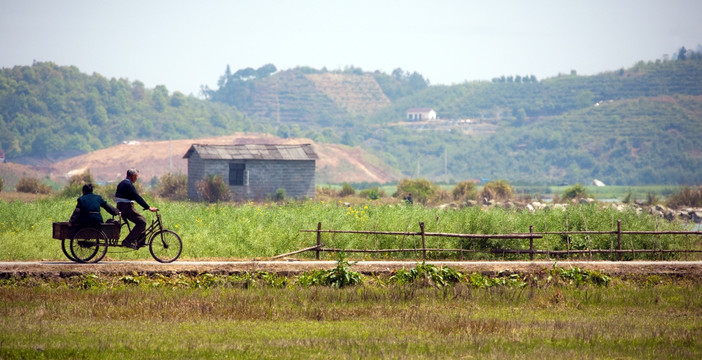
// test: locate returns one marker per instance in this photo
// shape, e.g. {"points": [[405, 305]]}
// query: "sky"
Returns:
{"points": [[185, 45]]}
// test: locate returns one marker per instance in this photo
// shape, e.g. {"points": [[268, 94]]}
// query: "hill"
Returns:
{"points": [[632, 126], [50, 111], [336, 164]]}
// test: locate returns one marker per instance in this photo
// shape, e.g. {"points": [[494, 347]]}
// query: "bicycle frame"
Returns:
{"points": [[155, 226]]}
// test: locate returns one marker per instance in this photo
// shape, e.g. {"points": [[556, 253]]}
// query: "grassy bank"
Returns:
{"points": [[267, 229], [183, 317]]}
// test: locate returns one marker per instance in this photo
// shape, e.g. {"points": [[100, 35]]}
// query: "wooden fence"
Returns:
{"points": [[530, 236]]}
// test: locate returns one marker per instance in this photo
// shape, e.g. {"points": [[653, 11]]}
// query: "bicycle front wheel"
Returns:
{"points": [[89, 245], [165, 246]]}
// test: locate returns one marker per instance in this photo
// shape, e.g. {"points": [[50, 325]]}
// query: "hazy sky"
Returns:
{"points": [[186, 44]]}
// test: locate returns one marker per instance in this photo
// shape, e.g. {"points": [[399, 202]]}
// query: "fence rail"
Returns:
{"points": [[531, 235]]}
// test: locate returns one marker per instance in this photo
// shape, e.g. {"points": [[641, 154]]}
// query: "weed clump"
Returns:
{"points": [[338, 277], [688, 196], [32, 186], [499, 190], [213, 189], [174, 187]]}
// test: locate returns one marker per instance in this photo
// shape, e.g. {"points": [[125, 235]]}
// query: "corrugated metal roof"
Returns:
{"points": [[253, 152]]}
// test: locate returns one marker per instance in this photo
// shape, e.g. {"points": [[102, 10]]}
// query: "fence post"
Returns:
{"points": [[319, 238], [424, 246], [531, 242], [567, 237], [619, 240]]}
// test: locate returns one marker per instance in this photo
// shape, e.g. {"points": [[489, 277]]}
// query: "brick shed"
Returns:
{"points": [[254, 171]]}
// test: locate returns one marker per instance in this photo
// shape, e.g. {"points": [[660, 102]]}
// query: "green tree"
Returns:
{"points": [[160, 97]]}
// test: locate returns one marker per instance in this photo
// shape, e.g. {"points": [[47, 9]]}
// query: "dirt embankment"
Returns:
{"points": [[676, 269], [336, 163]]}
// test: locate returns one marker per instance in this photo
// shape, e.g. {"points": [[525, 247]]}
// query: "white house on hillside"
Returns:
{"points": [[420, 114]]}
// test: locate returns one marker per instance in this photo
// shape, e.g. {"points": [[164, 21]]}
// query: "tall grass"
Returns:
{"points": [[259, 230]]}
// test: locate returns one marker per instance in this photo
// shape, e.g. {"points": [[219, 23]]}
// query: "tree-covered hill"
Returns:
{"points": [[50, 110], [308, 97], [641, 125]]}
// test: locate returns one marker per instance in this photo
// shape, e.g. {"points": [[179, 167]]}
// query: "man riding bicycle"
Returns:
{"points": [[125, 196]]}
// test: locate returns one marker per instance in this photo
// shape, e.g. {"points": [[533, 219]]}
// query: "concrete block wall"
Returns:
{"points": [[196, 172], [265, 177]]}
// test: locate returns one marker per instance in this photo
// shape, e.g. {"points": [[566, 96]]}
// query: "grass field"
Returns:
{"points": [[260, 230], [226, 317], [556, 314]]}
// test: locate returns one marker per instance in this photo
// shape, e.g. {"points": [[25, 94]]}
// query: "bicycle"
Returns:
{"points": [[90, 244]]}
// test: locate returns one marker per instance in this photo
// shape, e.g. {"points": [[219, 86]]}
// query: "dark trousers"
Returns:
{"points": [[139, 221]]}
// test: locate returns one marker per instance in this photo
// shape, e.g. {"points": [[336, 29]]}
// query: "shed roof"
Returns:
{"points": [[253, 152]]}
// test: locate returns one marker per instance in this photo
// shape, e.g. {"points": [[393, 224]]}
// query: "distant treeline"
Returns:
{"points": [[47, 109]]}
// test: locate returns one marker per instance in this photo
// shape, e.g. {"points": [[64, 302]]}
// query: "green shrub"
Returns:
{"points": [[422, 190], [338, 277], [213, 189], [431, 274], [347, 190], [75, 184], [576, 191], [373, 193], [499, 190], [32, 186], [464, 190], [173, 186], [577, 276], [280, 194]]}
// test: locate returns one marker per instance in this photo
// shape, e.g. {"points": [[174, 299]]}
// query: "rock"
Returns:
{"points": [[684, 216], [586, 200], [669, 215], [471, 203], [448, 206], [538, 205], [559, 206]]}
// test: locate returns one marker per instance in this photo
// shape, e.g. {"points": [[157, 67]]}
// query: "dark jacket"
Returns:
{"points": [[126, 190], [87, 212]]}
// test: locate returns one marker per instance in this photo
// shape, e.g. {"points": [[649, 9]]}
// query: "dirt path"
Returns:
{"points": [[691, 269]]}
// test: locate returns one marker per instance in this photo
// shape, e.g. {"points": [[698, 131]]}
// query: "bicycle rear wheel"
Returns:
{"points": [[165, 246], [65, 247], [89, 245]]}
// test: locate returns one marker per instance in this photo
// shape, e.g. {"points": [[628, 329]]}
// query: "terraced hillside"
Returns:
{"points": [[320, 99], [357, 94]]}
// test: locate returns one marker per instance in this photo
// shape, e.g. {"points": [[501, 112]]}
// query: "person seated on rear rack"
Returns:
{"points": [[87, 211], [125, 196]]}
